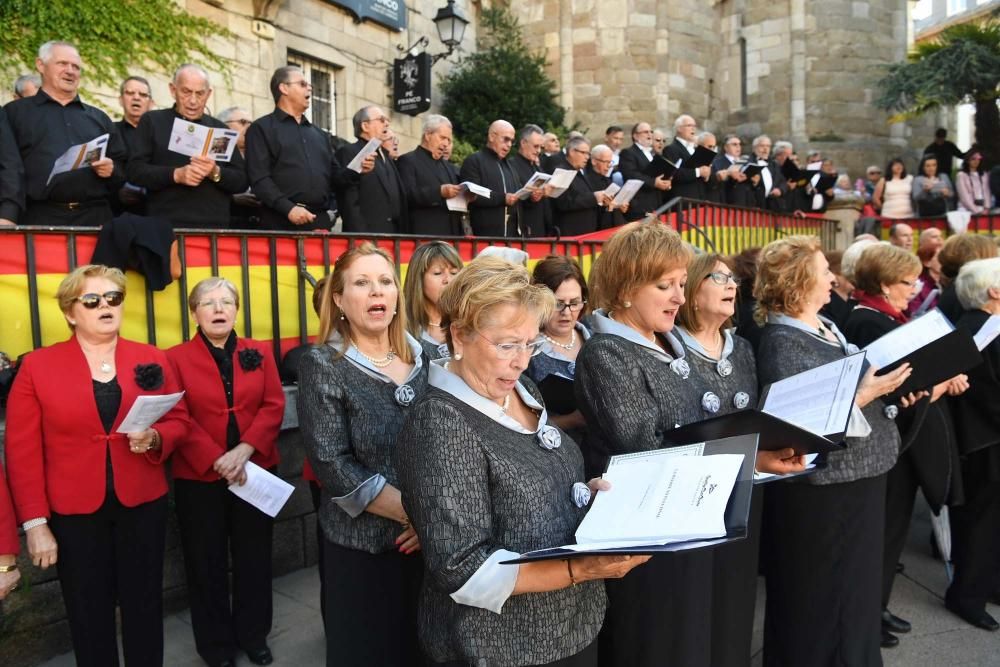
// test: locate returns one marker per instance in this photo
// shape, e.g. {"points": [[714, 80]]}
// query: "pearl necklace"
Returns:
{"points": [[377, 363], [570, 346]]}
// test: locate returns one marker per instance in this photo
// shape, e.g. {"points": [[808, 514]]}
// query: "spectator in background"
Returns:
{"points": [[926, 297], [901, 235], [866, 186], [892, 196], [944, 151], [974, 186], [26, 85], [931, 237], [932, 190]]}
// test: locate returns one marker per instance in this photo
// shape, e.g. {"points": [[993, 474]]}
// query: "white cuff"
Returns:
{"points": [[858, 426], [491, 584], [355, 502]]}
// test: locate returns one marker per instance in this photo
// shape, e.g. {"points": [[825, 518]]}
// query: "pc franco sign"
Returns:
{"points": [[390, 13]]}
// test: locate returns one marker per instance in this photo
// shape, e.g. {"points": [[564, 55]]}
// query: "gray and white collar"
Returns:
{"points": [[353, 355], [601, 323], [787, 320]]}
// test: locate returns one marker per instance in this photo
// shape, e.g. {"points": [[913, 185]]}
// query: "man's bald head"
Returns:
{"points": [[500, 137]]}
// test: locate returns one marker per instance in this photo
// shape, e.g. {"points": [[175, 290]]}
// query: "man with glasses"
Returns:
{"points": [[631, 163], [495, 215], [290, 164], [431, 180], [191, 192], [598, 175], [578, 209], [734, 186], [534, 212], [687, 181], [375, 202]]}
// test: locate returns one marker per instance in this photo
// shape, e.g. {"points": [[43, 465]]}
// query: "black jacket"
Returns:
{"points": [[376, 202], [136, 242], [631, 162], [423, 177], [732, 192], [686, 182], [490, 216], [576, 211], [535, 216]]}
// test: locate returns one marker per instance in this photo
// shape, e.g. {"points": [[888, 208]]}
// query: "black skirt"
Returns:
{"points": [[824, 573]]}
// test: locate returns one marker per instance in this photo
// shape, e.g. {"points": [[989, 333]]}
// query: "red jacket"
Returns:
{"points": [[258, 402], [56, 444], [9, 544]]}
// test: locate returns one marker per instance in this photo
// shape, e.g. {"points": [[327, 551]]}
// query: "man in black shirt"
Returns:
{"points": [[136, 98], [376, 202], [533, 212], [11, 176], [187, 191], [290, 163], [944, 150], [45, 126], [494, 215], [430, 181]]}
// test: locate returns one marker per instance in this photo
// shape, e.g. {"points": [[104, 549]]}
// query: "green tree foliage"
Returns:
{"points": [[961, 65], [503, 79], [114, 37]]}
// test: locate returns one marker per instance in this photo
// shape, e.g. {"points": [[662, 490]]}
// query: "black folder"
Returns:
{"points": [[792, 172], [702, 157], [660, 166], [752, 169], [774, 433], [825, 182], [939, 360], [737, 515]]}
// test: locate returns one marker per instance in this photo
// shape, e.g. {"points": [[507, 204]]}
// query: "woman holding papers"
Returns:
{"points": [[634, 384], [486, 478], [355, 390], [236, 403], [88, 496], [432, 266], [885, 278], [975, 525], [825, 530]]}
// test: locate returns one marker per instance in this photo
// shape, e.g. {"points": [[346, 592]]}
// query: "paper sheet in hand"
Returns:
{"points": [[988, 332], [537, 180], [818, 400], [79, 156], [612, 189], [265, 491], [560, 181], [627, 192], [475, 189], [195, 140], [908, 338], [458, 203], [147, 410], [368, 149]]}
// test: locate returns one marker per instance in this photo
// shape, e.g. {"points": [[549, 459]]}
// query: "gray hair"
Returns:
{"points": [[680, 121], [528, 130], [782, 147], [142, 80], [45, 50], [279, 77], [851, 256], [599, 149], [575, 143], [193, 68], [207, 285], [433, 123], [702, 136], [574, 134], [758, 139], [227, 114], [360, 117], [975, 279], [20, 82]]}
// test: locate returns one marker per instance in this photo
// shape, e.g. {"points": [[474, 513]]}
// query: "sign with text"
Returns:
{"points": [[411, 84], [390, 13]]}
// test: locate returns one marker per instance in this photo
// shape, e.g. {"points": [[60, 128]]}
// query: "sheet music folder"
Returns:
{"points": [[774, 433], [939, 360], [660, 166], [737, 516]]}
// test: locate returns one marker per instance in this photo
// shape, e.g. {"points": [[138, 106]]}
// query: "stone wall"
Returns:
{"points": [[33, 624]]}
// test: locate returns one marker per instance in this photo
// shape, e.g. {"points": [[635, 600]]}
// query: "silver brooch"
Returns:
{"points": [[571, 368], [711, 402], [680, 367], [724, 367], [405, 394], [741, 400], [443, 350], [549, 437], [581, 494], [890, 411]]}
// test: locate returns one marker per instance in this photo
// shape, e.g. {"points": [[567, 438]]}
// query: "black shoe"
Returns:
{"points": [[228, 662], [894, 623], [977, 617], [260, 656], [995, 598], [889, 640], [899, 568]]}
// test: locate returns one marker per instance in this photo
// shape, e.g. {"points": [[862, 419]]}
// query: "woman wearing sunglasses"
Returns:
{"points": [[236, 402], [87, 496]]}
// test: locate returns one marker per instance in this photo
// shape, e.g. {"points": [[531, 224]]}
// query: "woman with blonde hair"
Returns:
{"points": [[356, 387], [432, 266]]}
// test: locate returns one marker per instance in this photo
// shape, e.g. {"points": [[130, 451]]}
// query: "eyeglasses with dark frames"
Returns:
{"points": [[722, 278], [574, 306]]}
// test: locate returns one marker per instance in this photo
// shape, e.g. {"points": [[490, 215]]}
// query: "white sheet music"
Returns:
{"points": [[537, 180], [458, 203], [818, 400], [627, 192], [366, 150], [80, 156], [560, 181], [265, 491], [147, 410], [988, 332], [908, 338]]}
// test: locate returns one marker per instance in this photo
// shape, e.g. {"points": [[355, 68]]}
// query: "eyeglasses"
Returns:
{"points": [[217, 303], [909, 283], [507, 351], [91, 301], [378, 119], [301, 82], [720, 278], [581, 151], [574, 305]]}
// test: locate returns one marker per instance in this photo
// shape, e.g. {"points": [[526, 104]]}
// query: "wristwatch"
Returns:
{"points": [[216, 175]]}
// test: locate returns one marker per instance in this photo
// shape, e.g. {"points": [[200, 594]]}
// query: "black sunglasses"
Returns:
{"points": [[91, 301]]}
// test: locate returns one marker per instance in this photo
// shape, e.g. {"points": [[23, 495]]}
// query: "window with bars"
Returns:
{"points": [[322, 110]]}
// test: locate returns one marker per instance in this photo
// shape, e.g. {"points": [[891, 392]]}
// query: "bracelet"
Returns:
{"points": [[34, 523], [8, 568], [157, 440], [569, 569]]}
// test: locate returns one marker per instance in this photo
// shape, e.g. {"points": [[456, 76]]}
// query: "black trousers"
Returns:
{"points": [[371, 607], [50, 214], [216, 526], [114, 557], [901, 486], [585, 658], [823, 574], [975, 530], [316, 492]]}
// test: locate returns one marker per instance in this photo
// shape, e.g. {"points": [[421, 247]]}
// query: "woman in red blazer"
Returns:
{"points": [[91, 497], [237, 404], [9, 544]]}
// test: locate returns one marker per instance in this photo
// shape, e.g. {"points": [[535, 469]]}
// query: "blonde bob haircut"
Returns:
{"points": [[484, 285], [785, 275], [962, 248], [423, 259], [72, 285], [637, 255], [330, 321], [884, 265], [698, 270]]}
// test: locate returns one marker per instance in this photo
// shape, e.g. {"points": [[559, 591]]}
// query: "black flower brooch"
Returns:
{"points": [[250, 359], [149, 377]]}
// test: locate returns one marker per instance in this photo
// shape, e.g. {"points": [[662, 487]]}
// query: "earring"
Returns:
{"points": [[627, 304], [72, 323], [696, 307], [458, 356], [341, 316], [394, 312]]}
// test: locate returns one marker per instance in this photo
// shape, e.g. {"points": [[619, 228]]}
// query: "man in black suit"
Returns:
{"points": [[687, 182], [376, 202], [734, 186], [495, 215], [598, 175], [430, 181], [771, 188], [578, 209], [533, 212], [631, 163]]}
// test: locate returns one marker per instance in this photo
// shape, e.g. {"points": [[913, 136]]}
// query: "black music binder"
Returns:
{"points": [[660, 166], [939, 360]]}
